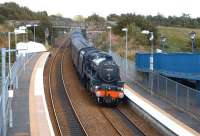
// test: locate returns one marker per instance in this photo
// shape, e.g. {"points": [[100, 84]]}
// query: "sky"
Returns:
{"points": [[71, 8]]}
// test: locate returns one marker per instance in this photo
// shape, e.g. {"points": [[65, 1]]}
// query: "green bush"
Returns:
{"points": [[135, 24], [2, 19]]}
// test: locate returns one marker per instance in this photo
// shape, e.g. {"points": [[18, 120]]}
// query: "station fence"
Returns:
{"points": [[178, 95], [19, 64]]}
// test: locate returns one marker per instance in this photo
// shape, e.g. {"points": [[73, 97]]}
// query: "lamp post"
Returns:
{"points": [[9, 54], [15, 36], [126, 33], [9, 65], [16, 31], [35, 25], [192, 37], [23, 28], [163, 39], [27, 26], [150, 38], [110, 36]]}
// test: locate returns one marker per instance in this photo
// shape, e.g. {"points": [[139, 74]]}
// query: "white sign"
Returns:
{"points": [[19, 31], [151, 63]]}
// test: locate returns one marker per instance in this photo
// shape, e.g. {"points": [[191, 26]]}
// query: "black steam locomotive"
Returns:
{"points": [[98, 71]]}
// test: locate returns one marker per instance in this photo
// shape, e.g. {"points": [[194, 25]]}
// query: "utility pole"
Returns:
{"points": [[126, 34], [110, 37], [3, 72], [151, 38], [9, 55]]}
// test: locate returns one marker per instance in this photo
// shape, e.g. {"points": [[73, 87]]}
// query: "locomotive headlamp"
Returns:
{"points": [[121, 95], [122, 89], [96, 87], [98, 93]]}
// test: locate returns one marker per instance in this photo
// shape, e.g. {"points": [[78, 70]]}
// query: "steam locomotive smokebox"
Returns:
{"points": [[108, 71]]}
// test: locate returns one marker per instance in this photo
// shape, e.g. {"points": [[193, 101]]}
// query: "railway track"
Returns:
{"points": [[124, 126], [71, 109], [58, 128], [74, 110], [137, 131], [66, 119], [108, 119]]}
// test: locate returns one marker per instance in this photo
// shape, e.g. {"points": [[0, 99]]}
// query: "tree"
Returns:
{"points": [[113, 17], [95, 19], [79, 18], [135, 24], [185, 19], [96, 22], [59, 15], [2, 19]]}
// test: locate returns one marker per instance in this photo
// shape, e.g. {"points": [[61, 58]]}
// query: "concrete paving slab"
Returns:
{"points": [[20, 101]]}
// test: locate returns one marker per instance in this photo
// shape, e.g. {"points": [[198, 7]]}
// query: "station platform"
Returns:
{"points": [[30, 114], [175, 120]]}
